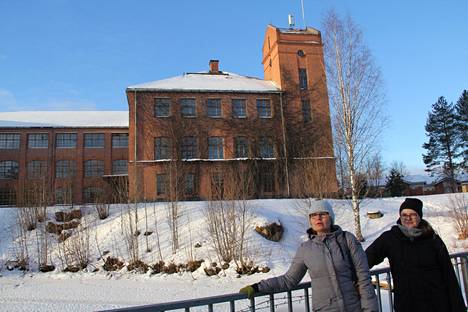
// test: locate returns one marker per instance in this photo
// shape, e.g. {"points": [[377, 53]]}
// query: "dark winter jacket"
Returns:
{"points": [[338, 271], [423, 276]]}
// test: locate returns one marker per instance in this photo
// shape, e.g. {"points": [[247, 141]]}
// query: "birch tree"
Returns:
{"points": [[356, 98]]}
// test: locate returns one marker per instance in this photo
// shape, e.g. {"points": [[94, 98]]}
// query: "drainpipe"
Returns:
{"points": [[135, 146], [284, 146]]}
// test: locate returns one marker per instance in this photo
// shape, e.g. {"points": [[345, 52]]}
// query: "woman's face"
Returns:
{"points": [[409, 218], [320, 222]]}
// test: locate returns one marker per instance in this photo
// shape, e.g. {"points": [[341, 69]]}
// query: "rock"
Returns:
{"points": [[46, 268], [64, 235], [112, 264], [66, 216], [197, 245], [374, 214], [192, 266], [157, 267], [225, 266], [272, 232], [212, 271]]}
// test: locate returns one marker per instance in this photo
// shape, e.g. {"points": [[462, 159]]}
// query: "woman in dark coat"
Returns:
{"points": [[423, 275]]}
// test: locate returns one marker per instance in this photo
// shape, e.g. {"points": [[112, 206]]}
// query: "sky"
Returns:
{"points": [[81, 55]]}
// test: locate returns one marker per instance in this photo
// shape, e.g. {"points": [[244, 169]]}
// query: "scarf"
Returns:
{"points": [[411, 233]]}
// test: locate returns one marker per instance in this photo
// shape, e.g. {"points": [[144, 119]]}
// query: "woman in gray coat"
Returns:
{"points": [[337, 266]]}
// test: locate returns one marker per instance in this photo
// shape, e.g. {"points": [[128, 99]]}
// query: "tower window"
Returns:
{"points": [[303, 78], [306, 110]]}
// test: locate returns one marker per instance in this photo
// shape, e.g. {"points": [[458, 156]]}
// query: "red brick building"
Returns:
{"points": [[210, 134], [202, 135], [61, 155]]}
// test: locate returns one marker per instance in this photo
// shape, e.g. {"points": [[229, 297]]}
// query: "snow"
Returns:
{"points": [[64, 119], [87, 290], [203, 81]]}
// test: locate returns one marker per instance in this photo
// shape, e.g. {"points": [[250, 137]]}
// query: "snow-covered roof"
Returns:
{"points": [[64, 119], [204, 81]]}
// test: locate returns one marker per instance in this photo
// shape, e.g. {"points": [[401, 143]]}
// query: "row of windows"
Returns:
{"points": [[189, 148], [90, 195], [266, 179], [62, 140], [162, 108], [63, 168]]}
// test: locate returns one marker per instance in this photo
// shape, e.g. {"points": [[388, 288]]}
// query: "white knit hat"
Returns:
{"points": [[322, 206]]}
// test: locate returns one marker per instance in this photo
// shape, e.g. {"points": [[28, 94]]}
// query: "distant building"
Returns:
{"points": [[204, 134], [61, 157]]}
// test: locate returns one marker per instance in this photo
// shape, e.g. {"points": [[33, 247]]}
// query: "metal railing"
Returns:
{"points": [[297, 298]]}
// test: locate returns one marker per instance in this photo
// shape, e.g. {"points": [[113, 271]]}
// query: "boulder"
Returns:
{"points": [[273, 231]]}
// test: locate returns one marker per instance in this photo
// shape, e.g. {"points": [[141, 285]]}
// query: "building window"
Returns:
{"points": [[7, 196], [306, 114], [217, 185], [213, 108], [266, 148], [94, 140], [267, 181], [64, 195], [37, 169], [92, 194], [65, 140], [162, 148], [162, 107], [93, 168], [119, 140], [303, 78], [120, 166], [263, 108], [9, 169], [189, 148], [9, 140], [65, 169], [242, 147], [187, 108], [238, 108], [189, 184], [38, 140], [161, 184], [215, 148]]}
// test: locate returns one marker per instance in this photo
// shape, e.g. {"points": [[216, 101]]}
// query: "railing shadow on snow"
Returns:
{"points": [[295, 299]]}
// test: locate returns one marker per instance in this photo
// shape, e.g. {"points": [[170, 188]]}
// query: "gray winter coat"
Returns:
{"points": [[336, 285]]}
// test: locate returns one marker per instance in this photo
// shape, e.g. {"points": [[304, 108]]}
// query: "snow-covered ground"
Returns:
{"points": [[88, 291]]}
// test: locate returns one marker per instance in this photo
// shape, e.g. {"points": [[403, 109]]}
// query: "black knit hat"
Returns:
{"points": [[413, 204]]}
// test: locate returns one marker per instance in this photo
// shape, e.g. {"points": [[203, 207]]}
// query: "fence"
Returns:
{"points": [[291, 300]]}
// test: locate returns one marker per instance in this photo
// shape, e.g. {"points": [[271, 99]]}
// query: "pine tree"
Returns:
{"points": [[395, 184], [461, 109], [444, 141]]}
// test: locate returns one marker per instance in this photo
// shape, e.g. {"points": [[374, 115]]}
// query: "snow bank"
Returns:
{"points": [[84, 291]]}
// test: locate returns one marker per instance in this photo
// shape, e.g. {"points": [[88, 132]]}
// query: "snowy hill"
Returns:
{"points": [[89, 289]]}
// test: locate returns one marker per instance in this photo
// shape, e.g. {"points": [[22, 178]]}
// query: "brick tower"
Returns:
{"points": [[293, 59]]}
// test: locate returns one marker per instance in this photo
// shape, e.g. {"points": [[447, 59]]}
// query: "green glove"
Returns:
{"points": [[248, 290]]}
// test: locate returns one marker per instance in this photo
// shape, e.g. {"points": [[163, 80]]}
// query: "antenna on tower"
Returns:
{"points": [[303, 16], [291, 20]]}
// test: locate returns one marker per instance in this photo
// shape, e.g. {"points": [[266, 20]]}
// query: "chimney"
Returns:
{"points": [[214, 67]]}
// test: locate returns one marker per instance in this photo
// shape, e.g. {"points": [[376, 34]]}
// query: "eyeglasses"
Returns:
{"points": [[317, 215], [409, 216]]}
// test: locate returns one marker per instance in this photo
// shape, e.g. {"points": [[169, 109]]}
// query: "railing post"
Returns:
{"points": [[307, 301], [272, 303], [390, 297], [290, 307], [252, 304], [379, 296]]}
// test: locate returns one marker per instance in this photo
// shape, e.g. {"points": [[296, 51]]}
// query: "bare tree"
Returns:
{"points": [[458, 206], [355, 90]]}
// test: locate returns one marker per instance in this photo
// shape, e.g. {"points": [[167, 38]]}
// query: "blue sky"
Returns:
{"points": [[81, 55]]}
